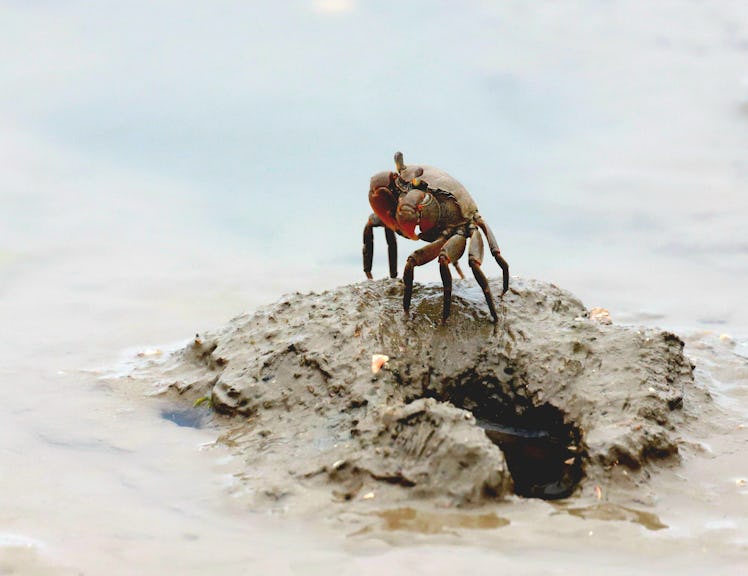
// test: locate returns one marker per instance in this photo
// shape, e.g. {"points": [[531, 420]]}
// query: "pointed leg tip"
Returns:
{"points": [[445, 317]]}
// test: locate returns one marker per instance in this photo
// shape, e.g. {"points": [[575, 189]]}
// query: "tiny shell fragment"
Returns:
{"points": [[377, 361], [149, 352], [599, 492], [600, 315]]}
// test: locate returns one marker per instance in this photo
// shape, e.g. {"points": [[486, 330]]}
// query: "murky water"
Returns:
{"points": [[167, 166]]}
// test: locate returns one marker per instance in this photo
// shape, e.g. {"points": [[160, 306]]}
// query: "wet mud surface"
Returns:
{"points": [[549, 401]]}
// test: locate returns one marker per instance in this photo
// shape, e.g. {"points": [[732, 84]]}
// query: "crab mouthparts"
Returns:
{"points": [[407, 220]]}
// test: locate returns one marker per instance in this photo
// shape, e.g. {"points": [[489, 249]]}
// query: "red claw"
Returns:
{"points": [[384, 205], [409, 230]]}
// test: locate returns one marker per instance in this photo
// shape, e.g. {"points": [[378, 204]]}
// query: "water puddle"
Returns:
{"points": [[614, 512], [409, 519], [187, 417]]}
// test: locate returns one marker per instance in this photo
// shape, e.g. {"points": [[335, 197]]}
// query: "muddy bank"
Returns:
{"points": [[546, 401]]}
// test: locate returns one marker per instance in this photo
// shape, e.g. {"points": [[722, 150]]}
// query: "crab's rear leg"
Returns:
{"points": [[475, 257], [419, 258], [493, 246], [368, 250], [459, 270]]}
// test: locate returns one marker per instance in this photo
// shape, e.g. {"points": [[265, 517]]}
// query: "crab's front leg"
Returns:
{"points": [[419, 258], [450, 253], [368, 250]]}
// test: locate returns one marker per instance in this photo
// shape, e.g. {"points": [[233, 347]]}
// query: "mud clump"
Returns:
{"points": [[534, 405]]}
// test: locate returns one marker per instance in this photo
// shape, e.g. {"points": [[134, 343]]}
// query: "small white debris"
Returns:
{"points": [[150, 352], [368, 496], [377, 361], [600, 315]]}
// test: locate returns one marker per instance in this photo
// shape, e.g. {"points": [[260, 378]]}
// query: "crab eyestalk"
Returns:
{"points": [[399, 162]]}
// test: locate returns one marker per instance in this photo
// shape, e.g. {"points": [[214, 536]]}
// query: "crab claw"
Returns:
{"points": [[409, 230]]}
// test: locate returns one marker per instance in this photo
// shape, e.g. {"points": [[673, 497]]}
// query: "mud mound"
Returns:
{"points": [[463, 412]]}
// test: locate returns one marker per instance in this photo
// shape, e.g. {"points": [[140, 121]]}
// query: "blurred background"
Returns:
{"points": [[154, 151]]}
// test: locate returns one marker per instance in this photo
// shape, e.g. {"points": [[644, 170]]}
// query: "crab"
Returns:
{"points": [[446, 216]]}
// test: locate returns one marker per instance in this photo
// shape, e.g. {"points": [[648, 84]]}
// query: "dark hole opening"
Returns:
{"points": [[545, 460], [543, 452]]}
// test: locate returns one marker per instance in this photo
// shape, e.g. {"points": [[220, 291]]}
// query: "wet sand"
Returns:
{"points": [[95, 478]]}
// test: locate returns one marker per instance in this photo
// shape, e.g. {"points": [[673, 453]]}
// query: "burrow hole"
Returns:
{"points": [[543, 451]]}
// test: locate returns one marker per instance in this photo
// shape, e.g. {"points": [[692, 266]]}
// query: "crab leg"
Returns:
{"points": [[368, 250], [459, 270], [451, 252], [391, 251], [418, 258], [494, 247], [475, 257]]}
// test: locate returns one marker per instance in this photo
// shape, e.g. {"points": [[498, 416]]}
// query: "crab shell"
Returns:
{"points": [[441, 184]]}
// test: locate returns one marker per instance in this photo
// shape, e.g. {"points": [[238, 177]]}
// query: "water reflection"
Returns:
{"points": [[616, 512], [430, 522]]}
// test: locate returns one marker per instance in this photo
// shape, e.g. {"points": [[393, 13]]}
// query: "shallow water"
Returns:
{"points": [[165, 168]]}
